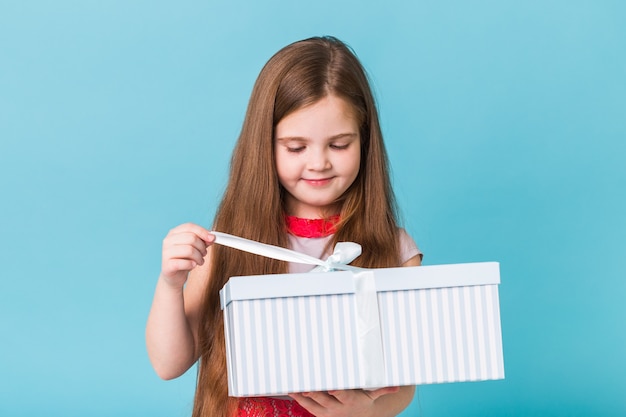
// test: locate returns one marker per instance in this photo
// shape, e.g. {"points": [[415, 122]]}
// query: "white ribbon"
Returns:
{"points": [[343, 254], [369, 337]]}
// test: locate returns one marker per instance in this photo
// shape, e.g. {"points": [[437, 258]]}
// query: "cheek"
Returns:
{"points": [[355, 162], [285, 166], [278, 164]]}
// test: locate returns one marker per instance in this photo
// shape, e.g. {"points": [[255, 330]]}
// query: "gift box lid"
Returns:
{"points": [[254, 287]]}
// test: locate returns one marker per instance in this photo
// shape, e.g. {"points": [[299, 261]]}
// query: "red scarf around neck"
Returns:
{"points": [[300, 227]]}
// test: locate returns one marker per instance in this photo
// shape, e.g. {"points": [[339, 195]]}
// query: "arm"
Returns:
{"points": [[383, 402], [171, 330]]}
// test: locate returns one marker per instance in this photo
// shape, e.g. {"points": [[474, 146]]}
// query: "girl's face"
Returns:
{"points": [[318, 154]]}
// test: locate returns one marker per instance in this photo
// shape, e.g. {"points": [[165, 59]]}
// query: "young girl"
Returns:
{"points": [[309, 170]]}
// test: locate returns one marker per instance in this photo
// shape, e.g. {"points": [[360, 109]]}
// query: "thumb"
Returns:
{"points": [[377, 393]]}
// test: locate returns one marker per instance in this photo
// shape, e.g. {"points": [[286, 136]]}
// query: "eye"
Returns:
{"points": [[339, 146], [295, 149]]}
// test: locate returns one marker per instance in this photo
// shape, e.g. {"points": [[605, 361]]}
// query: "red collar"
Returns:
{"points": [[312, 227]]}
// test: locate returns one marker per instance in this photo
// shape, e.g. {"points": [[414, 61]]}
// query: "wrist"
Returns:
{"points": [[170, 284]]}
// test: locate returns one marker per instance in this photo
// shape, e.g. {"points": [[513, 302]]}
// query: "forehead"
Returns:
{"points": [[329, 116]]}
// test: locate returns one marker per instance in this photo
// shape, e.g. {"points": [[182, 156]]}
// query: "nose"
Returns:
{"points": [[319, 160]]}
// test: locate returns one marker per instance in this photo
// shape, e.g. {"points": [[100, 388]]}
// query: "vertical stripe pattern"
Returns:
{"points": [[298, 344], [451, 335], [278, 346]]}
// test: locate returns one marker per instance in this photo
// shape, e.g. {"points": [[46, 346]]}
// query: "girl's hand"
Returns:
{"points": [[184, 248], [343, 403]]}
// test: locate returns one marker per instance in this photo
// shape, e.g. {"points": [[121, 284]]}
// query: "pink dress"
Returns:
{"points": [[281, 407]]}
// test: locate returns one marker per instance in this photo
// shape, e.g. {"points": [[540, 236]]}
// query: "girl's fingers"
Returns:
{"points": [[375, 394], [341, 402], [184, 248], [195, 229], [343, 396], [308, 403], [177, 265], [322, 398], [184, 252], [348, 396], [187, 239]]}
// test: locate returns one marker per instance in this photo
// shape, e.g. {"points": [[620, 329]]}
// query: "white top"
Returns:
{"points": [[315, 247]]}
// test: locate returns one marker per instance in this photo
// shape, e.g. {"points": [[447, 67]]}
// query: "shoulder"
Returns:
{"points": [[408, 247]]}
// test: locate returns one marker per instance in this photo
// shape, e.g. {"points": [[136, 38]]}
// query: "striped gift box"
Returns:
{"points": [[343, 330]]}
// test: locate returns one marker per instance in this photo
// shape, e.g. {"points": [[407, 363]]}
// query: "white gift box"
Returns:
{"points": [[381, 327]]}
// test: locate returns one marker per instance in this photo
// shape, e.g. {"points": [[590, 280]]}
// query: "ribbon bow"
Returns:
{"points": [[343, 253]]}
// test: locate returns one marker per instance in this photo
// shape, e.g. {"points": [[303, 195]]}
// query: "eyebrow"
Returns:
{"points": [[303, 139]]}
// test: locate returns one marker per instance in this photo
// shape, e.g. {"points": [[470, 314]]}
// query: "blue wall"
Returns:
{"points": [[506, 126]]}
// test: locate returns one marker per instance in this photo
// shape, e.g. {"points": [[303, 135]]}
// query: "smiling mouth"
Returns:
{"points": [[318, 182]]}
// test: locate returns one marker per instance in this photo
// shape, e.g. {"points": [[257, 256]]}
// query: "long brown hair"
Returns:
{"points": [[253, 205]]}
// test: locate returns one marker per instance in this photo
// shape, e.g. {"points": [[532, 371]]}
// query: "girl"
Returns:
{"points": [[309, 170]]}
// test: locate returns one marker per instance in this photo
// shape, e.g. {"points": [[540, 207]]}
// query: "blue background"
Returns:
{"points": [[506, 127]]}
